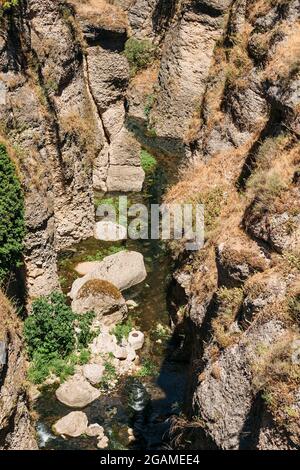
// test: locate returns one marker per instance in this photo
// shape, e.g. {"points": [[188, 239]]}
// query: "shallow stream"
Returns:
{"points": [[142, 403]]}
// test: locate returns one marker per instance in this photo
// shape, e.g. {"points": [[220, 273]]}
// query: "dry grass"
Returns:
{"points": [[262, 7], [81, 126], [239, 63], [144, 81], [101, 12], [276, 373], [229, 304], [270, 185], [286, 59], [8, 317]]}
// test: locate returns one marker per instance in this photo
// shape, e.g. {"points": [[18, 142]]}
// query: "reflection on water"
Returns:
{"points": [[143, 404]]}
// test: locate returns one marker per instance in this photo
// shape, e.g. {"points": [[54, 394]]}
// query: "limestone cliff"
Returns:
{"points": [[63, 80], [16, 427], [219, 97]]}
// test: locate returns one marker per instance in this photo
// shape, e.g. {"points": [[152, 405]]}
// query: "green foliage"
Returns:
{"points": [[12, 228], [161, 332], [139, 53], [51, 338], [49, 329], [110, 374], [148, 368], [84, 357], [7, 5], [84, 323], [43, 365], [122, 330], [148, 161]]}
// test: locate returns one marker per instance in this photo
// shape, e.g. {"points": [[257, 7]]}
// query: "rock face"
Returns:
{"points": [[103, 298], [77, 392], [240, 293], [74, 424], [68, 122], [124, 270], [16, 427]]}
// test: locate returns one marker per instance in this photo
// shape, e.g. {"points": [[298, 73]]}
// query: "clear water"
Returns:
{"points": [[145, 404]]}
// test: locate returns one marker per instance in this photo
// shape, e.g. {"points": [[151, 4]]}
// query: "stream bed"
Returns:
{"points": [[145, 403]]}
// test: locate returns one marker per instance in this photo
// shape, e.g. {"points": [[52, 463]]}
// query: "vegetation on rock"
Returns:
{"points": [[148, 161], [139, 53], [12, 227]]}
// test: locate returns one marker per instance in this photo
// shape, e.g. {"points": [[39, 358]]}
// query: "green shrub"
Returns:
{"points": [[43, 365], [84, 357], [12, 228], [50, 327], [84, 323], [122, 330], [148, 161], [139, 53], [51, 338]]}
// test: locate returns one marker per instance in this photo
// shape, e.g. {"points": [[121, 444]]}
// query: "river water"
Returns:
{"points": [[144, 404]]}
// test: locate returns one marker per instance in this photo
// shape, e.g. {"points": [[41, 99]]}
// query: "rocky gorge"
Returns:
{"points": [[90, 91]]}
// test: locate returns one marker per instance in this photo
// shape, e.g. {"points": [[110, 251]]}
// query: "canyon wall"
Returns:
{"points": [[218, 100], [16, 424]]}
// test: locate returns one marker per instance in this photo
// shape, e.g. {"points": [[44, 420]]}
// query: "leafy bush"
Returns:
{"points": [[139, 53], [84, 323], [51, 338], [50, 328], [12, 228], [148, 161], [122, 330]]}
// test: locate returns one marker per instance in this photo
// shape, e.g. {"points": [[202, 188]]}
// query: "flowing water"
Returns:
{"points": [[142, 403]]}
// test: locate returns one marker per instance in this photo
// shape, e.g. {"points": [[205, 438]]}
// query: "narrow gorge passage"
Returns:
{"points": [[180, 341], [144, 404]]}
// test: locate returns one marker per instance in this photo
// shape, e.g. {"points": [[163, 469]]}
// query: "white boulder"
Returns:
{"points": [[124, 269], [77, 392], [74, 424]]}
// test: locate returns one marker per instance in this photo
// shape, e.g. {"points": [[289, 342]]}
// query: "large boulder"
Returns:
{"points": [[74, 424], [124, 270], [77, 392], [103, 298]]}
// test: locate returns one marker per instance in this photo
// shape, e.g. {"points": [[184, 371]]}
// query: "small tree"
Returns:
{"points": [[12, 226]]}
